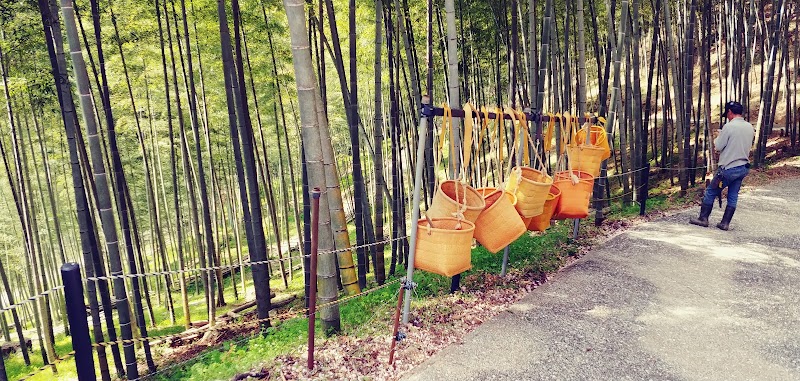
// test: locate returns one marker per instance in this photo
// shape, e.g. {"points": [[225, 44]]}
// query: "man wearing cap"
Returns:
{"points": [[733, 144]]}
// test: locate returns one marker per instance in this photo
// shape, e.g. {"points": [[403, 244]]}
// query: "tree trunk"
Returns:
{"points": [[101, 181], [310, 107], [28, 221], [172, 152], [207, 231], [378, 261], [89, 243], [248, 185], [764, 126]]}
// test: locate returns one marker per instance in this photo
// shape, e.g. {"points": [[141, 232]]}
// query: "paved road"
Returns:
{"points": [[663, 301]]}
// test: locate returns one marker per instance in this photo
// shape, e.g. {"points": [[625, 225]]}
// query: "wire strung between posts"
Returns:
{"points": [[680, 169], [56, 361], [620, 195], [620, 174], [30, 299], [234, 266], [644, 168], [283, 316]]}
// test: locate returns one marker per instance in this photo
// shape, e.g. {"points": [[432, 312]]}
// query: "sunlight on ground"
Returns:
{"points": [[601, 312], [752, 253]]}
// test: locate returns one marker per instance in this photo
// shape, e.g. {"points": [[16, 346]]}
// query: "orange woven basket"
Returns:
{"points": [[453, 197], [597, 138], [574, 200], [485, 191], [443, 249], [531, 190], [499, 224], [541, 222], [586, 158]]}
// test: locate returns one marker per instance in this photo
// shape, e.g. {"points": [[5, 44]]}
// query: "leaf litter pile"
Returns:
{"points": [[434, 324]]}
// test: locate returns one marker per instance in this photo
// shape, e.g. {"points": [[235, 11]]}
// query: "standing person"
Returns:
{"points": [[733, 144]]}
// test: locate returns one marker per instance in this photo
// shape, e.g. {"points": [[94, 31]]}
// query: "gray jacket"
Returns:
{"points": [[734, 143]]}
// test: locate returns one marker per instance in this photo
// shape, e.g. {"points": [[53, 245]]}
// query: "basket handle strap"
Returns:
{"points": [[548, 136], [537, 158], [447, 120], [492, 146], [484, 118], [522, 133], [602, 138], [562, 161], [469, 111], [499, 124], [512, 114]]}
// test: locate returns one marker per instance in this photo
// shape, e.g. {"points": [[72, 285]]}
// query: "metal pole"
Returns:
{"points": [[78, 325], [312, 299], [575, 227], [505, 262], [412, 245]]}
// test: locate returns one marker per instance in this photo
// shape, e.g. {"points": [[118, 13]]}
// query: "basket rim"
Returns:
{"points": [[586, 146], [579, 173], [467, 189], [470, 225], [503, 196], [525, 168]]}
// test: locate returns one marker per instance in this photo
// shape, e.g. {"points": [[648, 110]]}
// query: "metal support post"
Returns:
{"points": [[412, 245], [505, 262], [78, 325]]}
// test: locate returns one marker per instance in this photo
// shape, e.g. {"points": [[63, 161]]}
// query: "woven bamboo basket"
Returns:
{"points": [[586, 158], [485, 191], [531, 190], [541, 222], [453, 197], [574, 200], [443, 249], [597, 138], [499, 224]]}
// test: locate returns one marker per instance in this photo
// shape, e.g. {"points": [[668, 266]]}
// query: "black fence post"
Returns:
{"points": [[644, 190], [3, 375], [78, 325], [455, 283]]}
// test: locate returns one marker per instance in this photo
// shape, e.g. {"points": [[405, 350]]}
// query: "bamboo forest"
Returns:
{"points": [[219, 180]]}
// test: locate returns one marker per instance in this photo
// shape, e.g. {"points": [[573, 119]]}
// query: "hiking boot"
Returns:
{"points": [[726, 218], [702, 220]]}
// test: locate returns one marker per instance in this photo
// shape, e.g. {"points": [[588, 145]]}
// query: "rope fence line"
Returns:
{"points": [[651, 168], [620, 174], [54, 363], [226, 267], [630, 192], [30, 299], [283, 316], [680, 169]]}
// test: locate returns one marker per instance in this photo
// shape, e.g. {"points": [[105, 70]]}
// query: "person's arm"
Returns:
{"points": [[722, 140]]}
